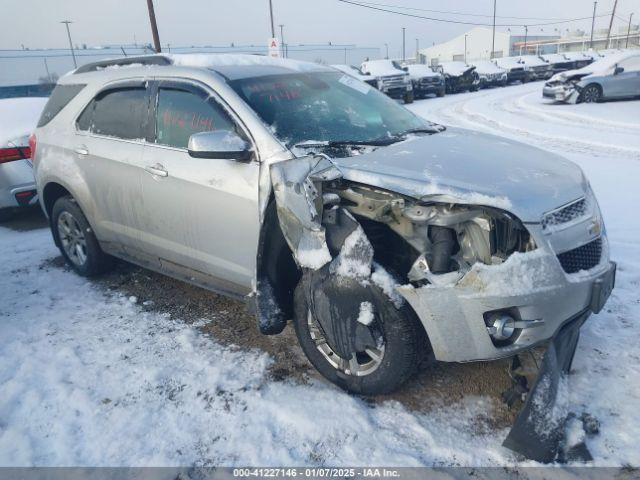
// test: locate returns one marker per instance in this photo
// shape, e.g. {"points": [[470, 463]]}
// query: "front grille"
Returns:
{"points": [[582, 258], [429, 80], [394, 81], [566, 214]]}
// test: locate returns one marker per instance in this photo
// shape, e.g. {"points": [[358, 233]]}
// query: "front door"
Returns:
{"points": [[626, 83], [201, 215]]}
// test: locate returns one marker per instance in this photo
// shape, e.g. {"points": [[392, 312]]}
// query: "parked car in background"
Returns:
{"points": [[489, 74], [538, 68], [580, 59], [355, 72], [426, 81], [393, 80], [314, 200], [516, 70], [558, 62], [611, 77], [459, 77], [18, 118]]}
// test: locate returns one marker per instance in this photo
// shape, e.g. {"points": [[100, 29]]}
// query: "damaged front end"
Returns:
{"points": [[563, 88], [482, 284]]}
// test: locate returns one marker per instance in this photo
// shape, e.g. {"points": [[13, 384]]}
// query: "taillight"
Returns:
{"points": [[32, 146], [12, 154]]}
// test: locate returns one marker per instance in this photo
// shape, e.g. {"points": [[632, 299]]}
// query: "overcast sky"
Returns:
{"points": [[34, 23]]}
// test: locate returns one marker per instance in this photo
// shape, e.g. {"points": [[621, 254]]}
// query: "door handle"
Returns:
{"points": [[157, 169], [82, 150]]}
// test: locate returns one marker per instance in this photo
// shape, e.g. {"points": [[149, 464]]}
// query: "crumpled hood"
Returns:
{"points": [[567, 74], [470, 167]]}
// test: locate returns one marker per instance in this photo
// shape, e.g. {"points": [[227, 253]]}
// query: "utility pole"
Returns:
{"points": [[593, 21], [493, 38], [46, 67], [284, 53], [73, 54], [154, 27], [273, 31], [526, 35], [628, 31], [465, 48], [386, 45], [417, 50], [613, 14], [403, 49]]}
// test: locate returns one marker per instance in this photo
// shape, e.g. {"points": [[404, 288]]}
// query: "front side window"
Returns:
{"points": [[324, 107], [180, 114], [631, 64], [119, 113]]}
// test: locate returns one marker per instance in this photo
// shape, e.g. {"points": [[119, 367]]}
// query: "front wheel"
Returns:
{"points": [[75, 239], [591, 94], [409, 97], [375, 347]]}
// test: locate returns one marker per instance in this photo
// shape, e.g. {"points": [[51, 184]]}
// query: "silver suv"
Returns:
{"points": [[384, 238]]}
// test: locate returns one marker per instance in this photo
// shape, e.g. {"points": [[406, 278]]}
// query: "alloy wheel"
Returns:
{"points": [[359, 364], [72, 238], [591, 94]]}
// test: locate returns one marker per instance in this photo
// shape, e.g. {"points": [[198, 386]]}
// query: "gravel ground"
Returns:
{"points": [[228, 321]]}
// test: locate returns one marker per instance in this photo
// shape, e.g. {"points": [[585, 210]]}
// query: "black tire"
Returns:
{"points": [[592, 93], [440, 93], [405, 342], [95, 260], [6, 214], [409, 97]]}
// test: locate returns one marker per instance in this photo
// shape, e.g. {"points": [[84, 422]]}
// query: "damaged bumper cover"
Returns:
{"points": [[561, 92], [531, 287]]}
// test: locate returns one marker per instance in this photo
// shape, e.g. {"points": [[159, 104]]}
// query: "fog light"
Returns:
{"points": [[501, 326]]}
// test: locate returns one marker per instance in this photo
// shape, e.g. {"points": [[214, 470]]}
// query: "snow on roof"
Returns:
{"points": [[209, 60], [19, 116], [603, 65], [381, 67]]}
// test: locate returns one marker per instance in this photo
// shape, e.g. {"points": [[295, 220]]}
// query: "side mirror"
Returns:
{"points": [[219, 144], [618, 70], [406, 69]]}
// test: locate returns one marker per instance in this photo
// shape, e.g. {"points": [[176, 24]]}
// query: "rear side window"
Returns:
{"points": [[59, 99], [120, 113], [180, 114]]}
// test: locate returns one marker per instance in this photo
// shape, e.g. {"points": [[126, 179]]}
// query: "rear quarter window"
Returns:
{"points": [[60, 97]]}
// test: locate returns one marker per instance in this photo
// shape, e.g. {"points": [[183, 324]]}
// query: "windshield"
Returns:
{"points": [[325, 107]]}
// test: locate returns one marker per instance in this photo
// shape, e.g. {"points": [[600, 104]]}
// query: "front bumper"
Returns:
{"points": [[428, 88], [561, 93], [531, 286], [396, 91]]}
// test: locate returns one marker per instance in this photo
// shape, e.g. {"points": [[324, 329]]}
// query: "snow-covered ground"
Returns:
{"points": [[89, 377]]}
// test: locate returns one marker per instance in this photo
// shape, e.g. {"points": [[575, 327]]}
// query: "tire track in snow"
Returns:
{"points": [[465, 111]]}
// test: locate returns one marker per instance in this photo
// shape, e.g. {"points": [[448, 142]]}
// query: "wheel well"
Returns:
{"points": [[52, 192], [275, 261]]}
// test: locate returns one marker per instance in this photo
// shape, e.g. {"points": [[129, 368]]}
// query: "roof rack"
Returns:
{"points": [[142, 60]]}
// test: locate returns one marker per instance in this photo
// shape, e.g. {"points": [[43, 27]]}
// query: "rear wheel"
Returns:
{"points": [[75, 239], [591, 94], [385, 352]]}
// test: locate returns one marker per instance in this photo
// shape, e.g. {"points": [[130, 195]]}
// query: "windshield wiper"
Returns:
{"points": [[376, 142]]}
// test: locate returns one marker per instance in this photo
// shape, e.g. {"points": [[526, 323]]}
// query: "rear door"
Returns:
{"points": [[201, 216], [108, 147]]}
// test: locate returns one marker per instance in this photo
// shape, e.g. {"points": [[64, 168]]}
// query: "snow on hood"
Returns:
{"points": [[455, 68], [485, 67], [382, 68], [19, 116], [533, 61], [421, 71], [461, 166]]}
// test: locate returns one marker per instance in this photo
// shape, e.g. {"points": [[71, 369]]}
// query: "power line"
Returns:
{"points": [[464, 14], [462, 22]]}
